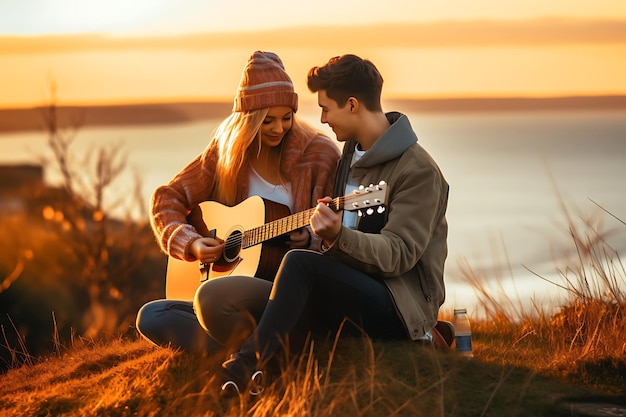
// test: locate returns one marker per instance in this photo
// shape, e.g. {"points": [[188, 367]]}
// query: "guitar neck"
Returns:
{"points": [[276, 228], [284, 225]]}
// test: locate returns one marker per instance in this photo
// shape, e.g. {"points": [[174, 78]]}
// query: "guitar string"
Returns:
{"points": [[262, 231], [280, 224]]}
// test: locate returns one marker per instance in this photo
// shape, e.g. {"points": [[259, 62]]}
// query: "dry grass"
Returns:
{"points": [[583, 339], [528, 362], [358, 378]]}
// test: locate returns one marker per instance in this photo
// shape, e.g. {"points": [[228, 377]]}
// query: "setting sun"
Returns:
{"points": [[75, 16]]}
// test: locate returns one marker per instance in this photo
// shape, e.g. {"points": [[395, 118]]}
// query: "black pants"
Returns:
{"points": [[322, 292]]}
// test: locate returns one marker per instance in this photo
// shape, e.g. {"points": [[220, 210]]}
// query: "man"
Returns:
{"points": [[384, 272]]}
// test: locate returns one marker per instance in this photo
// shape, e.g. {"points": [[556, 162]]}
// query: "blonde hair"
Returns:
{"points": [[234, 138]]}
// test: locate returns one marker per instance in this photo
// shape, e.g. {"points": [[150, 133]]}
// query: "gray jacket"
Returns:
{"points": [[408, 248]]}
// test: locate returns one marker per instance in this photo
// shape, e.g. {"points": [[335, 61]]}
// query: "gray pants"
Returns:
{"points": [[216, 321]]}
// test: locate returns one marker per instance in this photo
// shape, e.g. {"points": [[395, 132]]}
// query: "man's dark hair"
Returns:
{"points": [[348, 76]]}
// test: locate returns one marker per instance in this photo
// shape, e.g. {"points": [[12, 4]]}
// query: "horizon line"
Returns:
{"points": [[220, 101]]}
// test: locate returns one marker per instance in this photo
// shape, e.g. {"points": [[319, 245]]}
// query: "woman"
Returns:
{"points": [[260, 149]]}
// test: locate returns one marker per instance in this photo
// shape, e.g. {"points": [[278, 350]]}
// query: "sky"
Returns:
{"points": [[119, 51]]}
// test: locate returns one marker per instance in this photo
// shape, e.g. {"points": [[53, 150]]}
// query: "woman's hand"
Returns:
{"points": [[207, 249], [300, 238]]}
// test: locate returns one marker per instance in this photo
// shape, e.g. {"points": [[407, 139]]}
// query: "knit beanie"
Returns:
{"points": [[264, 83]]}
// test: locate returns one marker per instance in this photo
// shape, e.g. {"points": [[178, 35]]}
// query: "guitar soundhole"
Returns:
{"points": [[233, 246]]}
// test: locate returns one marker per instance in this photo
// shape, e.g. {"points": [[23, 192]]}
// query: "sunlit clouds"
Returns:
{"points": [[120, 17], [117, 52], [446, 34]]}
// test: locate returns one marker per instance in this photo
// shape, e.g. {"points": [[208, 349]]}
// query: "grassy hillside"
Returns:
{"points": [[124, 377], [566, 362]]}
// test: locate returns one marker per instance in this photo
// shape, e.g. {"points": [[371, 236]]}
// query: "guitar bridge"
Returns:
{"points": [[225, 266]]}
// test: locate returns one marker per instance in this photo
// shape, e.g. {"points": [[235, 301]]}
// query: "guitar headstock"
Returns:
{"points": [[365, 199]]}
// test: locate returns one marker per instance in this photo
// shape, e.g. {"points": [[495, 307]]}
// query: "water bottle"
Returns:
{"points": [[463, 333]]}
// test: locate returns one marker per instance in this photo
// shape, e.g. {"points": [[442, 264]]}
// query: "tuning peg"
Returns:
{"points": [[380, 209], [359, 213], [369, 211]]}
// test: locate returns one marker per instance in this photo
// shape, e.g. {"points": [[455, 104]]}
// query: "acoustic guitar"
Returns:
{"points": [[255, 234]]}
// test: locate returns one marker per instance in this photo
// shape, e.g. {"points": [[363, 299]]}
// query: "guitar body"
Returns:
{"points": [[256, 233], [229, 223]]}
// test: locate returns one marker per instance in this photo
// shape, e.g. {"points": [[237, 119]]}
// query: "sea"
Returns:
{"points": [[522, 183]]}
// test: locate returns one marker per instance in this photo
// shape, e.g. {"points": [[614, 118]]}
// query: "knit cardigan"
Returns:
{"points": [[309, 163]]}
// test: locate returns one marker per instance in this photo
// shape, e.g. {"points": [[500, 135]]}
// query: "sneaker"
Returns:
{"points": [[239, 380], [255, 386], [443, 335]]}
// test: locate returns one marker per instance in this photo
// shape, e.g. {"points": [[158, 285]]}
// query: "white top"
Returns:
{"points": [[350, 217], [277, 193]]}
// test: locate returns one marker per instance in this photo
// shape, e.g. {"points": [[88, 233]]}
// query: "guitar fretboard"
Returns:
{"points": [[276, 228], [287, 224], [362, 198]]}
